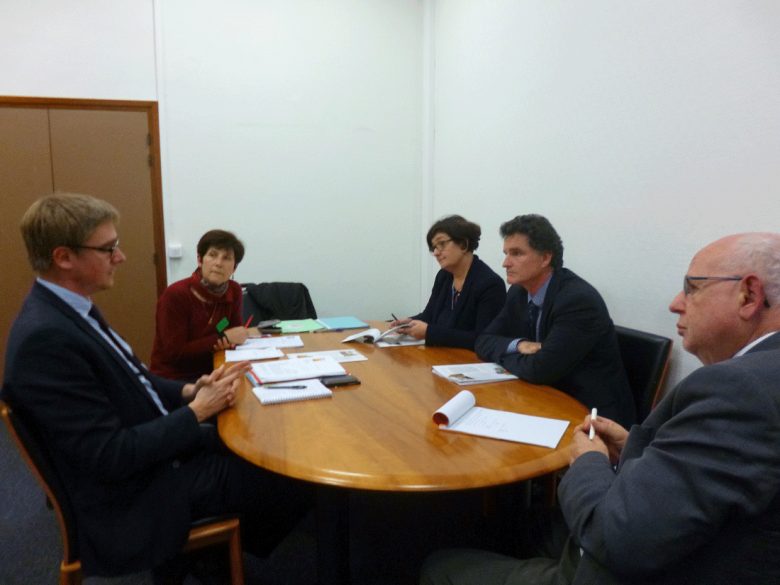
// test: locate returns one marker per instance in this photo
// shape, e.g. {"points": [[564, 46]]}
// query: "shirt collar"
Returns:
{"points": [[80, 304], [753, 343], [538, 298]]}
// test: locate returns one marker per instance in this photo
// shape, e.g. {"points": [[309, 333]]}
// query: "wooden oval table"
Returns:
{"points": [[379, 435]]}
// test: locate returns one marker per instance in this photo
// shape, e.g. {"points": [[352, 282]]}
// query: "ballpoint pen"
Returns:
{"points": [[592, 432], [285, 387]]}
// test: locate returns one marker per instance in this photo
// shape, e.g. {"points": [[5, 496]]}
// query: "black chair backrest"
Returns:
{"points": [[277, 300], [40, 463], [645, 357]]}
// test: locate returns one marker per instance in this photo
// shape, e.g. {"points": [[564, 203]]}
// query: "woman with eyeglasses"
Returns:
{"points": [[466, 294], [200, 314]]}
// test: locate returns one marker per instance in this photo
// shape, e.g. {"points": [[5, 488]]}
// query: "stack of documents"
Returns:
{"points": [[302, 369], [262, 348], [293, 380]]}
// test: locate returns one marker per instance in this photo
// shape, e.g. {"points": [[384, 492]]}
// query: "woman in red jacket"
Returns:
{"points": [[200, 314]]}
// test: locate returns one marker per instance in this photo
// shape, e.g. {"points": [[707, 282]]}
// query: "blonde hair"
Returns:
{"points": [[61, 219]]}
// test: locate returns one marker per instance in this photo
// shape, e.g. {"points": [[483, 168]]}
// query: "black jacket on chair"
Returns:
{"points": [[278, 300]]}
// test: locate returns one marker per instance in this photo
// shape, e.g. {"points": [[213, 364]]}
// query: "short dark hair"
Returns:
{"points": [[221, 240], [542, 236], [460, 230]]}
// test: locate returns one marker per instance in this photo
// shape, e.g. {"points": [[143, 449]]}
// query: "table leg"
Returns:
{"points": [[332, 535]]}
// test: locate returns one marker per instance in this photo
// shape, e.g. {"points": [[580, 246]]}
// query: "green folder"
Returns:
{"points": [[300, 326], [343, 323]]}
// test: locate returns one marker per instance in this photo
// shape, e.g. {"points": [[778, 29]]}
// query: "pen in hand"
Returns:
{"points": [[592, 432], [394, 317]]}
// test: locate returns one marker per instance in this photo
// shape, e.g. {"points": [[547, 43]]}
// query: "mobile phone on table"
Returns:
{"points": [[333, 381]]}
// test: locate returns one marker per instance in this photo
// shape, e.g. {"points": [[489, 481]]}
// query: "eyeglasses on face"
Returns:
{"points": [[101, 249], [687, 283], [439, 246]]}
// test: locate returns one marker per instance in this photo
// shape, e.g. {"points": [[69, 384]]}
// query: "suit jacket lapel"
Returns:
{"points": [[47, 296], [549, 298]]}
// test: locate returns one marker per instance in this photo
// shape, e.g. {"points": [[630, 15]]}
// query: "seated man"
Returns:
{"points": [[695, 496], [129, 446], [554, 328]]}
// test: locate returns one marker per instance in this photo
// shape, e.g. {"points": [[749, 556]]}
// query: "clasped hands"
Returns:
{"points": [[214, 393], [609, 439]]}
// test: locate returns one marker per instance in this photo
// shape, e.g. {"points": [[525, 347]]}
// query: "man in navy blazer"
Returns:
{"points": [[132, 450], [691, 495], [569, 342]]}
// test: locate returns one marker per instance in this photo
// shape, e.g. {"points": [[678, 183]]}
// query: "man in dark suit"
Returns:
{"points": [[135, 456], [692, 495], [554, 328]]}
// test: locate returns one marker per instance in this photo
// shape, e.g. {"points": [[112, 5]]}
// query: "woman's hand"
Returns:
{"points": [[236, 335], [416, 329], [231, 338]]}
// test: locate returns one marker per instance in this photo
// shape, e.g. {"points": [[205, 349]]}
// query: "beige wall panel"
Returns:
{"points": [[106, 154], [25, 175]]}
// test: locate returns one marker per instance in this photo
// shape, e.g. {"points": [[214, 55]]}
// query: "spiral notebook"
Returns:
{"points": [[290, 391]]}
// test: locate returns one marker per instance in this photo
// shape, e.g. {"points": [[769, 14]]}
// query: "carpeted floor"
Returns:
{"points": [[391, 534]]}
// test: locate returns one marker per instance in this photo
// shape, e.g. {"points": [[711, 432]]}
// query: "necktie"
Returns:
{"points": [[97, 316], [533, 317], [143, 373]]}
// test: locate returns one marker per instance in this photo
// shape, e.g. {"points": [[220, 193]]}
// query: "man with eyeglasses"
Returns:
{"points": [[132, 451], [555, 328], [691, 495]]}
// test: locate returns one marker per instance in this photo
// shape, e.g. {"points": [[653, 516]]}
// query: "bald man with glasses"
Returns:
{"points": [[691, 495]]}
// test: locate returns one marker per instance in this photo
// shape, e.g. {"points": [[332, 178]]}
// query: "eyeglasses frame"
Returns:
{"points": [[439, 246], [100, 249], [687, 284]]}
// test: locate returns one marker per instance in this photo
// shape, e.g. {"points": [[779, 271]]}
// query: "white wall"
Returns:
{"points": [[101, 49], [298, 125], [642, 130]]}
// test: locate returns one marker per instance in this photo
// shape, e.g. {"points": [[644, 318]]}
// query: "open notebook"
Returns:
{"points": [[289, 391]]}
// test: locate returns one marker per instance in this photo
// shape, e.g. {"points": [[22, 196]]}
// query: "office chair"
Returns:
{"points": [[204, 533], [645, 357], [277, 300]]}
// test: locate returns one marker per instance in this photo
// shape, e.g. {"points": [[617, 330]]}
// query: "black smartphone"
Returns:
{"points": [[332, 381]]}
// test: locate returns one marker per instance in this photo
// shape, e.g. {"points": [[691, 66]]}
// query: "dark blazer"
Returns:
{"points": [[696, 495], [579, 355], [119, 458], [481, 299]]}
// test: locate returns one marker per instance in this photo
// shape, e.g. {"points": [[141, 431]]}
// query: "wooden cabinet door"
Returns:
{"points": [[105, 153], [25, 175]]}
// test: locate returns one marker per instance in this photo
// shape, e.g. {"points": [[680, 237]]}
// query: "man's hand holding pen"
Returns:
{"points": [[608, 438]]}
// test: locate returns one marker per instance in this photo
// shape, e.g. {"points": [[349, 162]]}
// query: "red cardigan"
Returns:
{"points": [[186, 329]]}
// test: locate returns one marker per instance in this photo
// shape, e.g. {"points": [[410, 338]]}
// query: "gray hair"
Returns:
{"points": [[759, 253]]}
